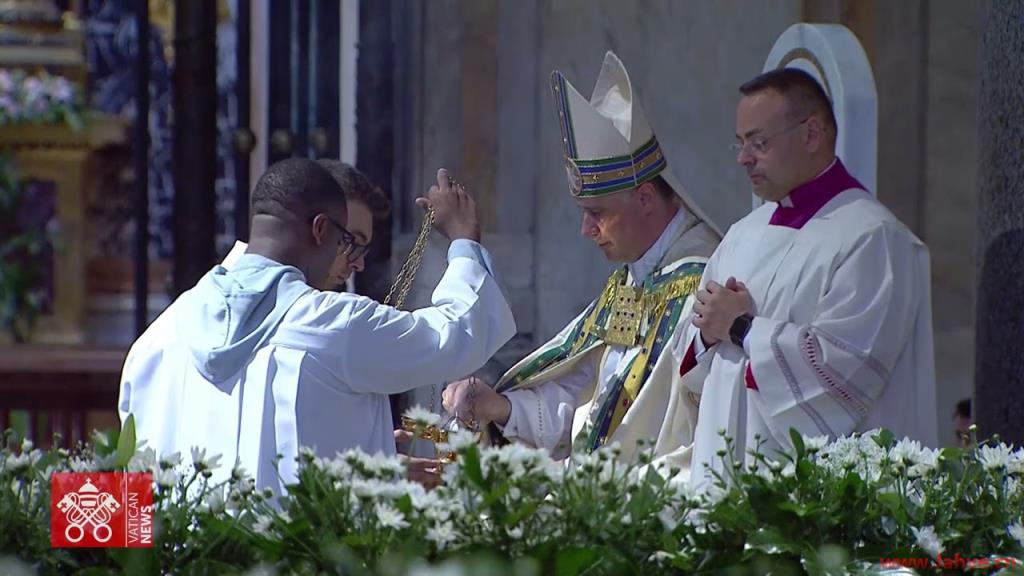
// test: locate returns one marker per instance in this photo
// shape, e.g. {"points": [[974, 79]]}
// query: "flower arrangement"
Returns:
{"points": [[839, 507], [38, 99]]}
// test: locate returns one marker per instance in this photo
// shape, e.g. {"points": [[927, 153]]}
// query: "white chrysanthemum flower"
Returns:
{"points": [[440, 512], [906, 452], [421, 416], [243, 488], [815, 443], [79, 465], [371, 488], [171, 460], [1016, 464], [667, 516], [385, 465], [520, 458], [714, 493], [928, 462], [680, 484], [16, 464], [389, 516], [421, 499], [165, 478], [442, 534], [789, 470], [213, 502], [1016, 531], [994, 457], [263, 524], [1013, 486], [337, 469], [696, 518], [142, 461], [201, 461], [928, 540], [458, 440], [763, 471], [238, 474]]}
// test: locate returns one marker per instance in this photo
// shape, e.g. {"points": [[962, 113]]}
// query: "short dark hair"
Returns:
{"points": [[664, 189], [963, 408], [804, 94], [357, 186], [296, 188]]}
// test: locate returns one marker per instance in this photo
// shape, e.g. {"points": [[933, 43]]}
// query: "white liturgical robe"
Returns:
{"points": [[842, 336], [253, 363]]}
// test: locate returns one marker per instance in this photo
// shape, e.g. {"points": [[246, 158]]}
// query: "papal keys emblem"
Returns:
{"points": [[88, 509]]}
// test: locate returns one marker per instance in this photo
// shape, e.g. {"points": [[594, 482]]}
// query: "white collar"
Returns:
{"points": [[639, 270]]}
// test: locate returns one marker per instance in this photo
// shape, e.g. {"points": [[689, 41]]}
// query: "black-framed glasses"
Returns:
{"points": [[759, 144], [349, 247]]}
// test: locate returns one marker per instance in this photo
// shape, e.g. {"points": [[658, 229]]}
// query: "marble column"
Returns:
{"points": [[999, 374]]}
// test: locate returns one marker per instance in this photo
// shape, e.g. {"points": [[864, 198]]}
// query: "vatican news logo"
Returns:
{"points": [[101, 510]]}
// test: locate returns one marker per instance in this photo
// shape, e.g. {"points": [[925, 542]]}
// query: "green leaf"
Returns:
{"points": [[801, 510], [770, 541], [576, 560], [126, 443], [891, 501], [804, 469], [827, 560], [471, 466], [885, 438], [798, 442]]}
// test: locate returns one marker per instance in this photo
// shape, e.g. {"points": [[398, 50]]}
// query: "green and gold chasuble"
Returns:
{"points": [[643, 317]]}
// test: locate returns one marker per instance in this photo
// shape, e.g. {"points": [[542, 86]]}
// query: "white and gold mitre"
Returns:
{"points": [[608, 144]]}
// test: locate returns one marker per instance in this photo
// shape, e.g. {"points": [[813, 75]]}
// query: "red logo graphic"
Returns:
{"points": [[101, 509]]}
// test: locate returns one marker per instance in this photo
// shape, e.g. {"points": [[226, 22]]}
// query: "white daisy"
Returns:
{"points": [[994, 457], [928, 540], [389, 516], [200, 460], [165, 478], [421, 416], [1016, 531], [442, 534], [814, 444]]}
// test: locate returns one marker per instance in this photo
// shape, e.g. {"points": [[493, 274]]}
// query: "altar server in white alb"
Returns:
{"points": [[815, 311], [256, 361]]}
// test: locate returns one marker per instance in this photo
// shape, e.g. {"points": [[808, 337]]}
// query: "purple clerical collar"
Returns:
{"points": [[806, 199]]}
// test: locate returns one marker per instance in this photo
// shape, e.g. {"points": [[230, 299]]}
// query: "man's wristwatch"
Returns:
{"points": [[740, 327]]}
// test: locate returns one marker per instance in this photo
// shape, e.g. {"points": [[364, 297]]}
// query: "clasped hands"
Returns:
{"points": [[718, 306]]}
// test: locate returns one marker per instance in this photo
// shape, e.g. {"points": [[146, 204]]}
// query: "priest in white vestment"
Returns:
{"points": [[610, 376], [815, 312], [254, 362]]}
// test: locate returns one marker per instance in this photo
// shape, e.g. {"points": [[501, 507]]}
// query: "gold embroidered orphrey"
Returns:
{"points": [[632, 310], [624, 319]]}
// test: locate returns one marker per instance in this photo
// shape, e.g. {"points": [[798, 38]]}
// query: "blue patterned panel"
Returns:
{"points": [[111, 46]]}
